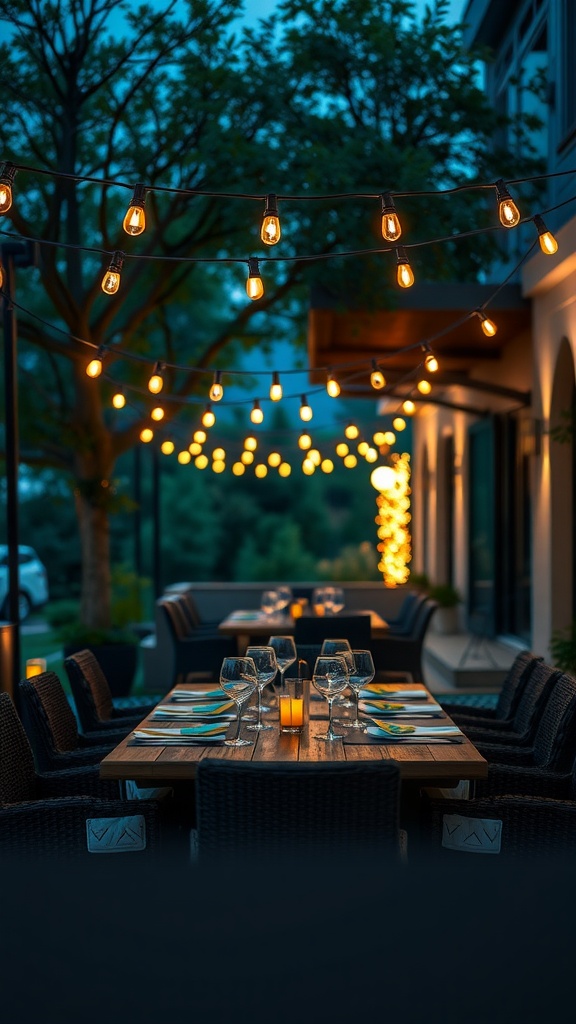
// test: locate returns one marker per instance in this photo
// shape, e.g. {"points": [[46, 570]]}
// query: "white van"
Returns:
{"points": [[33, 580]]}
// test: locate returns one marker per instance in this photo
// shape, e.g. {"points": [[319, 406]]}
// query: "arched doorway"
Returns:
{"points": [[562, 484]]}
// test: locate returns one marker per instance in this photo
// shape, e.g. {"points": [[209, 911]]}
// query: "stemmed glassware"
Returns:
{"points": [[330, 678], [342, 647], [238, 678], [362, 674], [283, 597], [268, 602], [264, 659], [285, 650], [338, 600]]}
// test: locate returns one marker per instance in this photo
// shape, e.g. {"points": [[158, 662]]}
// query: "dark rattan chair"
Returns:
{"points": [[403, 624], [312, 629], [94, 703], [502, 715], [536, 690], [336, 809], [52, 728], [47, 814], [404, 653], [186, 650]]}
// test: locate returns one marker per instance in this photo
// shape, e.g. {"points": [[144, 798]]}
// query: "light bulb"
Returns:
{"points": [[275, 388], [208, 417], [424, 387], [250, 444], [308, 467], [247, 458], [379, 438], [327, 465], [377, 378], [7, 175], [342, 449], [111, 279], [157, 413], [194, 448], [200, 436], [389, 437], [362, 447], [184, 458], [350, 461], [409, 407], [254, 286], [404, 272], [391, 227], [270, 230], [218, 455], [261, 470], [488, 326], [398, 423], [218, 466], [167, 447], [238, 468], [431, 363], [135, 219], [548, 243], [305, 410], [274, 459], [216, 389], [284, 469], [507, 210], [118, 400], [146, 435], [201, 461], [314, 456], [332, 386], [256, 414], [156, 382], [351, 431], [1, 275], [304, 442], [371, 455], [94, 368]]}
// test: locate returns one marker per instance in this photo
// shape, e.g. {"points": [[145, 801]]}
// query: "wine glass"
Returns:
{"points": [[284, 597], [338, 600], [318, 600], [330, 678], [264, 659], [342, 647], [285, 650], [328, 600], [362, 674], [268, 602], [238, 679]]}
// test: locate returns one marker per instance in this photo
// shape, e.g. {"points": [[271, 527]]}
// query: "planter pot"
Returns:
{"points": [[446, 621], [117, 661]]}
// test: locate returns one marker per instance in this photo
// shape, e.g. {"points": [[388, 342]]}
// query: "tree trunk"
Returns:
{"points": [[95, 545]]}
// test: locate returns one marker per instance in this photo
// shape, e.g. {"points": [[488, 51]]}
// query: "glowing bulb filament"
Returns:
{"points": [[156, 382], [507, 210], [431, 363], [135, 219], [111, 279], [7, 175], [275, 388], [257, 415], [270, 230], [391, 228], [254, 286], [332, 386], [377, 378], [404, 272], [548, 243], [488, 326], [216, 390], [305, 410]]}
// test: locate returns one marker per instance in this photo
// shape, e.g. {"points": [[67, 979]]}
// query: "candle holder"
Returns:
{"points": [[35, 666], [294, 702]]}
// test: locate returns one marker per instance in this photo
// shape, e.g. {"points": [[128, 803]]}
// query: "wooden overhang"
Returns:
{"points": [[347, 340]]}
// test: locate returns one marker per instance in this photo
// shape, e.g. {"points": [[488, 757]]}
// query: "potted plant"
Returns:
{"points": [[445, 620], [116, 648]]}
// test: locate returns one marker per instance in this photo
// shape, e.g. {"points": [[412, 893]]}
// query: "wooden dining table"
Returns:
{"points": [[246, 623], [442, 764]]}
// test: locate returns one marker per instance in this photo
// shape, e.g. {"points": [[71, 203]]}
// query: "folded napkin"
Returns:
{"points": [[213, 710], [213, 694], [206, 732], [388, 691], [383, 707], [394, 731]]}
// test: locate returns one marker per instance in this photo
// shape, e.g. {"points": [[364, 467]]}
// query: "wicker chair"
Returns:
{"points": [[403, 624], [47, 814], [337, 809], [94, 703], [404, 653], [537, 688], [315, 629], [502, 715], [52, 728]]}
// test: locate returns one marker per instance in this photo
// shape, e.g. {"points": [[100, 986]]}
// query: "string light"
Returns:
{"points": [[274, 459], [216, 389], [111, 279], [350, 461], [7, 175], [184, 458], [305, 410], [260, 470], [314, 456], [119, 400], [389, 437], [270, 230], [308, 467], [404, 272], [362, 447], [275, 387], [135, 219], [431, 363], [304, 442], [256, 415], [327, 465], [548, 243], [157, 413], [377, 378], [408, 407], [251, 444], [218, 455], [156, 382], [167, 447], [351, 431], [194, 448], [379, 438], [238, 468], [254, 286], [247, 458], [94, 368], [424, 387], [146, 435], [488, 326], [200, 436], [332, 386], [342, 449], [507, 210], [201, 461], [218, 466], [371, 455], [398, 423], [391, 227], [208, 418], [284, 469]]}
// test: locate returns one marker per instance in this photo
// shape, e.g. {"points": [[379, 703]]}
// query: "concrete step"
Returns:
{"points": [[463, 662]]}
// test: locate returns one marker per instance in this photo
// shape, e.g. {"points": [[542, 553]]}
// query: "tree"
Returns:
{"points": [[346, 95]]}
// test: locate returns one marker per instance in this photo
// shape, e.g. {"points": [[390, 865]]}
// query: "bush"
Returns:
{"points": [[445, 594]]}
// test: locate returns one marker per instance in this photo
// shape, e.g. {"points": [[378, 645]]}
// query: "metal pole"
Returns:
{"points": [[137, 467], [10, 678], [157, 566]]}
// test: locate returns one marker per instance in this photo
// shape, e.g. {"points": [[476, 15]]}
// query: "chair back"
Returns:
{"points": [[183, 627], [339, 809], [555, 740], [190, 607], [312, 629], [90, 689], [404, 624], [51, 723], [17, 771], [514, 683], [533, 699]]}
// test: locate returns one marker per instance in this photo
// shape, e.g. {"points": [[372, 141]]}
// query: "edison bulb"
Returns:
{"points": [[379, 438], [118, 400], [308, 467], [146, 435], [216, 391], [314, 456], [424, 387], [304, 441], [398, 423], [351, 431], [247, 458], [377, 379], [155, 384], [327, 466], [135, 220], [250, 444], [167, 447], [201, 461], [275, 389], [157, 413], [111, 282], [200, 436], [405, 275], [548, 243], [409, 407], [238, 468], [194, 448], [362, 448], [256, 414], [391, 228], [508, 212], [94, 368], [208, 418], [431, 363], [489, 327], [274, 459], [332, 387], [284, 469], [218, 466], [184, 458], [270, 232], [218, 455], [350, 461], [342, 449], [261, 470], [5, 197], [305, 412]]}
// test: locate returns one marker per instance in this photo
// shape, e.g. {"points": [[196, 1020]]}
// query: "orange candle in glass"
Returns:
{"points": [[34, 666]]}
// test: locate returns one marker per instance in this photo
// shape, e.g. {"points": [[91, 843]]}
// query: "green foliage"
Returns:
{"points": [[563, 648], [419, 581], [128, 596], [445, 594], [353, 563]]}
